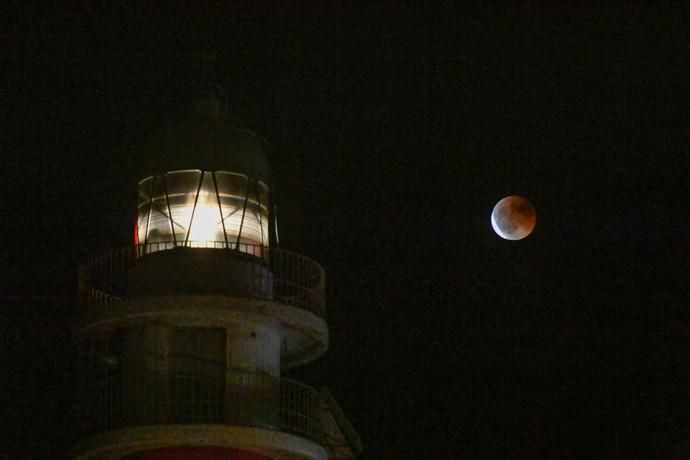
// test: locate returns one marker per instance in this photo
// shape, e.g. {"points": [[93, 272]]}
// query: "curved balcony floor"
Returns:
{"points": [[304, 335]]}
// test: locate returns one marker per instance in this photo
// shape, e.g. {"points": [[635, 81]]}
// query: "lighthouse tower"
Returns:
{"points": [[184, 334]]}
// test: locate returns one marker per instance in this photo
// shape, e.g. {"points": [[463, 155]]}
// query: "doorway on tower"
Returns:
{"points": [[197, 374]]}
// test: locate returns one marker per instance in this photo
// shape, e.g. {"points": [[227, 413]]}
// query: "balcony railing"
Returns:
{"points": [[297, 280], [134, 398]]}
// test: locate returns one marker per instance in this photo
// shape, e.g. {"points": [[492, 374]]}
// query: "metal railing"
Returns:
{"points": [[297, 281], [236, 397], [155, 246]]}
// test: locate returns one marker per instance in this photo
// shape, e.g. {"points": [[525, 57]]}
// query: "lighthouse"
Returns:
{"points": [[184, 334]]}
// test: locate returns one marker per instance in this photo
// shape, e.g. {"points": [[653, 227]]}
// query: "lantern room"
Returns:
{"points": [[203, 183], [202, 209]]}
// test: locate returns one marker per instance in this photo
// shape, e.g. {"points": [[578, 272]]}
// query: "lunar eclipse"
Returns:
{"points": [[513, 218]]}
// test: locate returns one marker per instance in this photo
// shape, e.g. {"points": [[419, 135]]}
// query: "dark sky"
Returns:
{"points": [[394, 131]]}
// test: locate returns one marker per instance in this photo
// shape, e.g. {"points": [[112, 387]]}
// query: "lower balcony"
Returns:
{"points": [[135, 398]]}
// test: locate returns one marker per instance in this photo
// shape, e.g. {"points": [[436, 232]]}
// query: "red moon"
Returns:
{"points": [[513, 218]]}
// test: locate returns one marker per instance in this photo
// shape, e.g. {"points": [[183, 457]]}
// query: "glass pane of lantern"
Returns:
{"points": [[159, 235], [182, 187], [206, 228], [232, 189], [256, 219], [252, 227], [250, 222]]}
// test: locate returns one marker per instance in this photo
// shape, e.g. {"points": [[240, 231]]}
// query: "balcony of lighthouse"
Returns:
{"points": [[124, 392], [207, 288]]}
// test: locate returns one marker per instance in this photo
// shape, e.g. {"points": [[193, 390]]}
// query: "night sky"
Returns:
{"points": [[394, 130]]}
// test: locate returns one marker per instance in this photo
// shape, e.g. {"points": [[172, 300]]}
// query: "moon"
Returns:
{"points": [[513, 218]]}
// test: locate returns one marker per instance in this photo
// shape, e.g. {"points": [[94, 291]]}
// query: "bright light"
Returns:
{"points": [[205, 225]]}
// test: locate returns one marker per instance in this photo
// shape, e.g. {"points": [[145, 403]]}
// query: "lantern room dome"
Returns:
{"points": [[203, 138]]}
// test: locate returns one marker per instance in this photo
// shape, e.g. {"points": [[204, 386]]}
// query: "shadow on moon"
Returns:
{"points": [[513, 218]]}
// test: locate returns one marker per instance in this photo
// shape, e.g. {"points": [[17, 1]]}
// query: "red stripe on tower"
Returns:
{"points": [[196, 453]]}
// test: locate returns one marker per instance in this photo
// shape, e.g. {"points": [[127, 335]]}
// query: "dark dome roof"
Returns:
{"points": [[204, 139]]}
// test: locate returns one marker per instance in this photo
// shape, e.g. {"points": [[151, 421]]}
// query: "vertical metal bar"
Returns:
{"points": [[244, 211], [167, 203], [196, 200], [220, 209], [148, 219]]}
